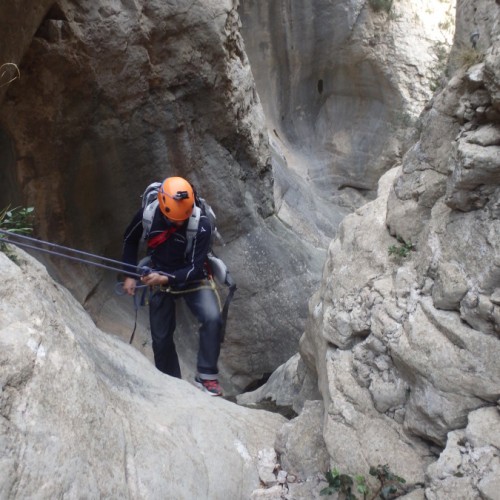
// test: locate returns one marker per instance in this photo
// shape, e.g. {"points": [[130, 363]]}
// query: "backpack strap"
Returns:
{"points": [[223, 276], [147, 218], [192, 228]]}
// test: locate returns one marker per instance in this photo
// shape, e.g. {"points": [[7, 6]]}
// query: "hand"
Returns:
{"points": [[152, 279], [129, 286]]}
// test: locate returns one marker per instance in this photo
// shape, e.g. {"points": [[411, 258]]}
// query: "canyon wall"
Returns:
{"points": [[341, 85], [113, 95], [398, 360], [403, 334]]}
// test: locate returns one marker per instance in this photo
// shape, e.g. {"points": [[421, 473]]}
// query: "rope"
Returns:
{"points": [[137, 303], [224, 310], [23, 241]]}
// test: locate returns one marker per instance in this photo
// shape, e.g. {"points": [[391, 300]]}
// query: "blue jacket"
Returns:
{"points": [[170, 257]]}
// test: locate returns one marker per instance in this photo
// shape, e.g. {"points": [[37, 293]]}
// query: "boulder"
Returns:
{"points": [[83, 413]]}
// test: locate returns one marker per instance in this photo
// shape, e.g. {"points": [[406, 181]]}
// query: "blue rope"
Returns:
{"points": [[137, 302], [22, 241]]}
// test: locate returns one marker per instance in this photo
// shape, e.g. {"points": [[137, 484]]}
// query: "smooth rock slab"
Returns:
{"points": [[83, 414]]}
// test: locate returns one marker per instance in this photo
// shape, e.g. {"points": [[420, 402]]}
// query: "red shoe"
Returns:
{"points": [[211, 387]]}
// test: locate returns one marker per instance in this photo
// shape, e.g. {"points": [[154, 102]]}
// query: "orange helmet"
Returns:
{"points": [[176, 198]]}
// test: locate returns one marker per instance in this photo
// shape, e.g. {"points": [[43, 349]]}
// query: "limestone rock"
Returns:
{"points": [[341, 86], [411, 344], [273, 493], [114, 95], [14, 40], [267, 464], [469, 467], [82, 413], [300, 443], [476, 175], [450, 286], [290, 385], [357, 436]]}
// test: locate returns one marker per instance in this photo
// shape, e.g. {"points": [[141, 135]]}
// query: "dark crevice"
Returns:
{"points": [[10, 194], [255, 384], [56, 13], [52, 26]]}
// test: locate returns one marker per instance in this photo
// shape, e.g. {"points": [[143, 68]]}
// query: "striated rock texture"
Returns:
{"points": [[114, 95], [83, 415], [341, 85], [406, 349]]}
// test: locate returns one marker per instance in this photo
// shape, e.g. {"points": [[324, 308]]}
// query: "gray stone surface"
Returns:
{"points": [[82, 414], [114, 95], [126, 93], [404, 350], [412, 343], [469, 467], [300, 443]]}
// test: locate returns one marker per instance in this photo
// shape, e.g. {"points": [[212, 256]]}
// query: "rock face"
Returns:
{"points": [[341, 85], [398, 362], [82, 413], [114, 95], [406, 348]]}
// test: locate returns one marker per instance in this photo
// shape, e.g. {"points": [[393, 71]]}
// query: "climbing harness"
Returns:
{"points": [[208, 284], [217, 268]]}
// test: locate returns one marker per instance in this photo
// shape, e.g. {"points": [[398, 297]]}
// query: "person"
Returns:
{"points": [[175, 274]]}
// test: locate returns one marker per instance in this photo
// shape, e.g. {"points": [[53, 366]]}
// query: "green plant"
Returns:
{"points": [[343, 484], [17, 220], [403, 249], [390, 484], [378, 5]]}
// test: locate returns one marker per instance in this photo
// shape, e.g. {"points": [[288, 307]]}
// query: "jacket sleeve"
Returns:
{"points": [[131, 241], [195, 261]]}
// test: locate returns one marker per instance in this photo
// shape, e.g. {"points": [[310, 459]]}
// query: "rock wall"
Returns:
{"points": [[82, 414], [402, 351], [114, 95], [341, 85], [403, 333]]}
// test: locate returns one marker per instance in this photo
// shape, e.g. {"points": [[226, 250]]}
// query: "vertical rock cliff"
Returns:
{"points": [[341, 84], [403, 333], [398, 357], [115, 95]]}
